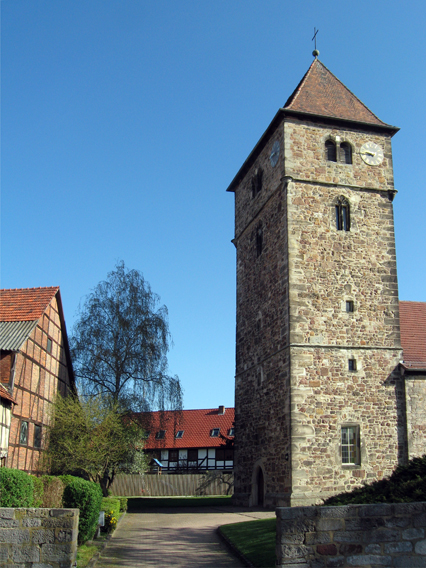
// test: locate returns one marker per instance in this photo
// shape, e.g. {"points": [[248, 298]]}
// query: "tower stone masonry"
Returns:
{"points": [[319, 398]]}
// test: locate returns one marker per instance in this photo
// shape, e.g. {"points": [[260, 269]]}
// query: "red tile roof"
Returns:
{"points": [[196, 425], [413, 333], [25, 304], [4, 393], [321, 93]]}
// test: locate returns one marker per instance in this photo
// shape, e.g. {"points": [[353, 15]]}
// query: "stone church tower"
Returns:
{"points": [[319, 405]]}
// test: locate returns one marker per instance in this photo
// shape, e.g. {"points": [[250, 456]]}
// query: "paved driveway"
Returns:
{"points": [[183, 537]]}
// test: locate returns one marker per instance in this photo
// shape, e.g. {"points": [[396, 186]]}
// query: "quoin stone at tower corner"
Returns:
{"points": [[320, 403]]}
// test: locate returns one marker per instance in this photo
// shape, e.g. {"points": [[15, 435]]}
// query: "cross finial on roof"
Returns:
{"points": [[315, 52]]}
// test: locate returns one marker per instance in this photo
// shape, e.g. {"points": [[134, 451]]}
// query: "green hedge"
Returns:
{"points": [[123, 504], [86, 496], [53, 490], [16, 488], [66, 479], [111, 504], [407, 484], [38, 492]]}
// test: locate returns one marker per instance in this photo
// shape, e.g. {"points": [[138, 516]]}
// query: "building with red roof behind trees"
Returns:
{"points": [[191, 440]]}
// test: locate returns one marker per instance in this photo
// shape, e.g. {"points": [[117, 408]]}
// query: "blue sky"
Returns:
{"points": [[124, 121]]}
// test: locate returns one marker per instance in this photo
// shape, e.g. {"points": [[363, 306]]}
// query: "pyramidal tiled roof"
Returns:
{"points": [[320, 93], [412, 316], [25, 304], [197, 426]]}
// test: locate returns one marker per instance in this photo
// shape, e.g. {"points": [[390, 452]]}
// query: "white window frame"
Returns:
{"points": [[350, 445]]}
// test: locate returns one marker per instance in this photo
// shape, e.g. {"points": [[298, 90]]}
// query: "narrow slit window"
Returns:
{"points": [[349, 306], [350, 445], [330, 151], [49, 345], [259, 241], [352, 364], [343, 222]]}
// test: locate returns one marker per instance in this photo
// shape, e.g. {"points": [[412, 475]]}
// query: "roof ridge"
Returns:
{"points": [[33, 288]]}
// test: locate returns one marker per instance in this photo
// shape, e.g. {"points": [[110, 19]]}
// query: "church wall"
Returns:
{"points": [[305, 155], [415, 393], [262, 417], [247, 207], [327, 268], [325, 397]]}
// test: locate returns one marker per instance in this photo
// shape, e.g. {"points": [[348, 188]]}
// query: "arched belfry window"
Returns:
{"points": [[345, 153], [343, 217], [330, 151]]}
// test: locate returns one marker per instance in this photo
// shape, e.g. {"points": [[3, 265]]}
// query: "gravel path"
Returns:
{"points": [[175, 537]]}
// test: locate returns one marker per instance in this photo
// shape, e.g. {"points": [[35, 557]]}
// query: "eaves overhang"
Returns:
{"points": [[413, 368], [256, 150], [283, 113]]}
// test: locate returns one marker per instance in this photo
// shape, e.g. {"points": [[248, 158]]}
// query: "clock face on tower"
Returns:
{"points": [[371, 153]]}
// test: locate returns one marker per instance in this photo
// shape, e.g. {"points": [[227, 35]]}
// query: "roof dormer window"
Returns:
{"points": [[215, 433], [179, 434], [160, 435]]}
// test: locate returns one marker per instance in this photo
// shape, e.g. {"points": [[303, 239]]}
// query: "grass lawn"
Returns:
{"points": [[254, 539], [140, 503], [85, 552]]}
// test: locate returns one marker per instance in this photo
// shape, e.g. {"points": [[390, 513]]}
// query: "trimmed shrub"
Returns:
{"points": [[86, 496], [16, 488], [66, 479], [407, 484], [53, 492], [38, 492], [123, 504], [111, 504], [111, 507]]}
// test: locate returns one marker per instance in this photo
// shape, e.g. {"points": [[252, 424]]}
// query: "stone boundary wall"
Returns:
{"points": [[38, 538], [352, 535]]}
